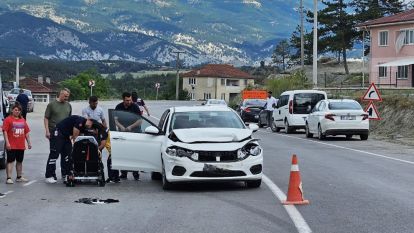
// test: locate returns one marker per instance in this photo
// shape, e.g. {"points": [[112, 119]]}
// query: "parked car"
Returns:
{"points": [[293, 107], [15, 92], [337, 117], [249, 109], [2, 146], [215, 102], [198, 143]]}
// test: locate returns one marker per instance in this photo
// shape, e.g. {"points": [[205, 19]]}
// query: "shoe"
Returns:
{"points": [[50, 180], [2, 195], [113, 181], [22, 179], [9, 181]]}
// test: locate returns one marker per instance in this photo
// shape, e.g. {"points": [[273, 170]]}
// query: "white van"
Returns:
{"points": [[293, 107]]}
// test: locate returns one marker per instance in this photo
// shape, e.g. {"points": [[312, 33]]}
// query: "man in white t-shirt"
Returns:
{"points": [[94, 112], [270, 105]]}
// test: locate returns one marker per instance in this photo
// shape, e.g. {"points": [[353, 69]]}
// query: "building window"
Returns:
{"points": [[223, 96], [402, 72], [245, 82], [39, 98], [223, 82], [192, 81], [192, 96], [383, 38], [207, 96], [382, 71], [409, 37], [234, 83]]}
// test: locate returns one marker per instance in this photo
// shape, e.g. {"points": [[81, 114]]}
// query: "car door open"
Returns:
{"points": [[133, 149]]}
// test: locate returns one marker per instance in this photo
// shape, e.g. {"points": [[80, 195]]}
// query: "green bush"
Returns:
{"points": [[295, 81]]}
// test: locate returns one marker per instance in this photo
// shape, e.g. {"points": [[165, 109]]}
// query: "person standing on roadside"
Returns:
{"points": [[270, 105], [93, 111], [16, 132], [140, 102], [56, 111], [126, 125], [23, 99]]}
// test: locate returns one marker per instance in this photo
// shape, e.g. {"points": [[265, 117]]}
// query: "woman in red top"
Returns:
{"points": [[15, 131]]}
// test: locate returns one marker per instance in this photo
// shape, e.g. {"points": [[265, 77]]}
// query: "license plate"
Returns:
{"points": [[348, 117]]}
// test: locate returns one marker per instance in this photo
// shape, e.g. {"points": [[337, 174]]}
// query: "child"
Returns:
{"points": [[15, 131]]}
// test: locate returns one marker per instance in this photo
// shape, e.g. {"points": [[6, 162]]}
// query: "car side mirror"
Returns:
{"points": [[253, 127], [203, 103], [152, 130]]}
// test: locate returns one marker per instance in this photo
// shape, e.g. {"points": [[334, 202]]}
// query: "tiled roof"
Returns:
{"points": [[397, 18], [218, 70], [36, 87]]}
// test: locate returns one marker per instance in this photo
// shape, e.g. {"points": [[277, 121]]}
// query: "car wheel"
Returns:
{"points": [[156, 176], [253, 183], [274, 128], [349, 136], [321, 136], [259, 123], [166, 185], [3, 161], [288, 129], [308, 134], [364, 137]]}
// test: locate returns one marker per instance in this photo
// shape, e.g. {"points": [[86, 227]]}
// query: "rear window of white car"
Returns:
{"points": [[344, 106], [260, 103], [206, 119], [302, 101]]}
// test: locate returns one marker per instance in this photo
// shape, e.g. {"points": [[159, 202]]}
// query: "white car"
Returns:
{"points": [[215, 102], [337, 117], [198, 143], [15, 92]]}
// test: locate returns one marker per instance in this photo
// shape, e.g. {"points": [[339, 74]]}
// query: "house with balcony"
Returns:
{"points": [[391, 49], [216, 81]]}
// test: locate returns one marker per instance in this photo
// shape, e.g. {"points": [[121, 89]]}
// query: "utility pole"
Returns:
{"points": [[363, 57], [315, 44], [17, 71], [302, 41], [177, 65]]}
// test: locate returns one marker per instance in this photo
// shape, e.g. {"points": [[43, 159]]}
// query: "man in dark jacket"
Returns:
{"points": [[23, 99]]}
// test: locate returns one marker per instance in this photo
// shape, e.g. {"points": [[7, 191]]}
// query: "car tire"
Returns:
{"points": [[253, 183], [288, 129], [3, 160], [259, 123], [166, 185], [363, 137], [321, 136], [156, 176], [274, 128], [308, 134], [349, 136]]}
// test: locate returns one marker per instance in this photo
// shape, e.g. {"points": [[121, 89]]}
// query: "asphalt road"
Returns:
{"points": [[352, 186]]}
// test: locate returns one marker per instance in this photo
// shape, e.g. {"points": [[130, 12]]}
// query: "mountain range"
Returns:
{"points": [[239, 32]]}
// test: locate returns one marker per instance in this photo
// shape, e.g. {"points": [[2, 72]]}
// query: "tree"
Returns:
{"points": [[337, 26], [308, 46], [79, 85], [281, 54]]}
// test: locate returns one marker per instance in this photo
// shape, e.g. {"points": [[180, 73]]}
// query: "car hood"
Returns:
{"points": [[212, 135]]}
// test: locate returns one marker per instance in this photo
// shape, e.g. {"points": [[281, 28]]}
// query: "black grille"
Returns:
{"points": [[210, 156], [256, 169], [178, 171], [222, 173]]}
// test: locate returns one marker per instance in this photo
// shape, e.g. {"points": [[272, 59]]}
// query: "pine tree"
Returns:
{"points": [[337, 26], [281, 54], [308, 46]]}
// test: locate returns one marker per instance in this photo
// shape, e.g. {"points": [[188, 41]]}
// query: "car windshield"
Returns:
{"points": [[206, 119], [16, 92], [260, 103], [344, 106], [220, 102], [303, 102]]}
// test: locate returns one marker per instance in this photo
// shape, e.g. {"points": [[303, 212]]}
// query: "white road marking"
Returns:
{"points": [[345, 148], [293, 213], [5, 194], [30, 182]]}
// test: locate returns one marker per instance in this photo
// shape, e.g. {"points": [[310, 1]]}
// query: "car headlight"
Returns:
{"points": [[249, 149], [181, 152]]}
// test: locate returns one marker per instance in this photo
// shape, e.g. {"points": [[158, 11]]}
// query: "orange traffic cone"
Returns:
{"points": [[295, 191]]}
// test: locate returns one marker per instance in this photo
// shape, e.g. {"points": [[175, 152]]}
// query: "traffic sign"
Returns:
{"points": [[91, 83], [372, 112], [372, 94], [157, 85]]}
